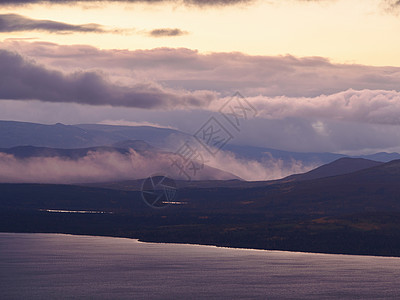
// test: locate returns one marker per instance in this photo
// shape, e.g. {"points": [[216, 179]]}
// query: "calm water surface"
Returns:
{"points": [[57, 266]]}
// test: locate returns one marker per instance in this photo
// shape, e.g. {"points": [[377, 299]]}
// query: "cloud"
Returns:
{"points": [[301, 134], [254, 170], [166, 32], [23, 80], [365, 106], [216, 2], [391, 6], [17, 23], [201, 3], [223, 72], [280, 87], [94, 167], [112, 166], [14, 22], [304, 104]]}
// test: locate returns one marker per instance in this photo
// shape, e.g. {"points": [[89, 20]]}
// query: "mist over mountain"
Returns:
{"points": [[130, 160], [106, 150], [14, 134]]}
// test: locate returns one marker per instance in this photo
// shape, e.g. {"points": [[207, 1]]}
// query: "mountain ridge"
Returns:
{"points": [[340, 166]]}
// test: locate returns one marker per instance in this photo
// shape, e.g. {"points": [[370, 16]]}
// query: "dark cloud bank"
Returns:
{"points": [[186, 2], [166, 32], [14, 23], [389, 5], [303, 104], [224, 73], [280, 87], [24, 80]]}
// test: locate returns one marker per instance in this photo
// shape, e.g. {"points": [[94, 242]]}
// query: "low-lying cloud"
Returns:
{"points": [[94, 167], [254, 170], [114, 166]]}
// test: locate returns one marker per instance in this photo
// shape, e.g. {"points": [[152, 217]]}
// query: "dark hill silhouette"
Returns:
{"points": [[341, 166], [375, 189], [355, 213]]}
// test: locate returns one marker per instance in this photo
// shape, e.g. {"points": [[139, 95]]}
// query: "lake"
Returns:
{"points": [[38, 266]]}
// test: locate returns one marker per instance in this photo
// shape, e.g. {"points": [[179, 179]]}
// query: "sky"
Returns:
{"points": [[322, 75]]}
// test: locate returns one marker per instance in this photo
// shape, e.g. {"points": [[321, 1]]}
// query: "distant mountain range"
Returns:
{"points": [[13, 134], [121, 148], [260, 153], [24, 140], [341, 166]]}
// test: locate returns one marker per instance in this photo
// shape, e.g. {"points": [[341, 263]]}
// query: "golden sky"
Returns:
{"points": [[345, 31]]}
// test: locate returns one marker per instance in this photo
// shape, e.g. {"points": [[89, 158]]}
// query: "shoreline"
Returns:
{"points": [[201, 245]]}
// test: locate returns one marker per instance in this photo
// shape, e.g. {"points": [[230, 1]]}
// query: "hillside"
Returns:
{"points": [[355, 213], [341, 166], [374, 189]]}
